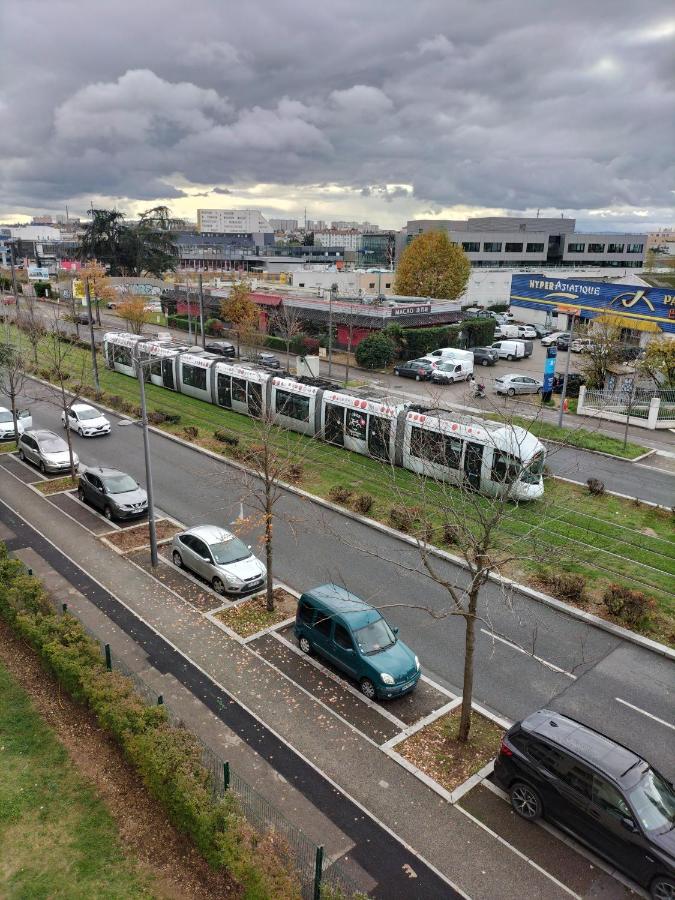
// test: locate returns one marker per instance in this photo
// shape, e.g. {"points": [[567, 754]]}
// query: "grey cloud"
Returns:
{"points": [[495, 106], [218, 190]]}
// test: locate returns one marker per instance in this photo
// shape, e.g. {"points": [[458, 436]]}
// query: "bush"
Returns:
{"points": [[214, 327], [451, 533], [115, 401], [155, 417], [566, 586], [294, 473], [628, 605], [225, 438], [375, 352], [595, 487], [479, 332], [339, 494], [171, 418], [191, 431], [362, 503], [415, 342], [42, 287], [404, 518]]}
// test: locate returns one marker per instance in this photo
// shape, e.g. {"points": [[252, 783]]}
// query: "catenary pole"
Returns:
{"points": [[146, 450], [567, 372], [201, 311], [92, 343]]}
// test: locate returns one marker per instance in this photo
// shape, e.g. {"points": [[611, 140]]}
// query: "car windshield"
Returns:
{"points": [[375, 637], [88, 414], [230, 551], [119, 484], [653, 799], [52, 445], [531, 474], [6, 416]]}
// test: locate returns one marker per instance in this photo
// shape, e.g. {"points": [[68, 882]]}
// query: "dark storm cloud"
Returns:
{"points": [[513, 104]]}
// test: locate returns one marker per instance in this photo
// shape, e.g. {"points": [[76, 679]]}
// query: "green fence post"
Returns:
{"points": [[64, 607], [108, 658], [226, 776], [160, 700], [30, 571], [318, 867]]}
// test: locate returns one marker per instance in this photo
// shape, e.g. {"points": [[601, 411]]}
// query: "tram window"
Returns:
{"points": [[194, 376], [436, 447], [505, 468], [122, 355], [379, 435], [224, 383], [453, 452], [293, 406], [255, 399], [156, 366], [239, 390]]}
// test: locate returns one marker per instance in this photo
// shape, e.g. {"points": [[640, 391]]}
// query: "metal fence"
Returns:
{"points": [[317, 878], [637, 404]]}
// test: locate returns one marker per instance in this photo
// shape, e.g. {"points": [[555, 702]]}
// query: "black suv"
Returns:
{"points": [[599, 791], [222, 348], [484, 356], [574, 382], [115, 493]]}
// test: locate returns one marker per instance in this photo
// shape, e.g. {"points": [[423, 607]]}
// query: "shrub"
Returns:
{"points": [[451, 533], [171, 418], [404, 518], [294, 473], [566, 586], [155, 417], [225, 438], [626, 604], [362, 503], [214, 327], [115, 401], [191, 431], [375, 352], [339, 494], [595, 487]]}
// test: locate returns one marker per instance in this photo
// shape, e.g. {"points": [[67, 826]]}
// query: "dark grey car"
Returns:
{"points": [[115, 493]]}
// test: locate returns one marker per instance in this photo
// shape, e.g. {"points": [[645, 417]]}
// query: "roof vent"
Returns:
{"points": [[553, 724]]}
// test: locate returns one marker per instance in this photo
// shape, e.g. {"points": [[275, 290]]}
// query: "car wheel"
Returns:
{"points": [[484, 362], [539, 391], [367, 688], [511, 392], [21, 454], [79, 430], [107, 512], [509, 356], [398, 374], [663, 888], [305, 645], [218, 586], [417, 378], [525, 801], [80, 495], [177, 559], [43, 468]]}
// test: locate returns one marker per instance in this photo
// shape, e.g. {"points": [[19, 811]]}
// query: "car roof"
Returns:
{"points": [[104, 471], [337, 599], [41, 433], [82, 406], [212, 534], [612, 758]]}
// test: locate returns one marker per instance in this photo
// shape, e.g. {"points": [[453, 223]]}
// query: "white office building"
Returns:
{"points": [[349, 239], [285, 225], [232, 221]]}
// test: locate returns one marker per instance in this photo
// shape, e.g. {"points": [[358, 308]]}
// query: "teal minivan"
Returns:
{"points": [[355, 637]]}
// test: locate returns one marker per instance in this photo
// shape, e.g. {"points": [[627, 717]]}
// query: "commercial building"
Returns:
{"points": [[343, 239], [232, 221], [285, 225], [516, 242]]}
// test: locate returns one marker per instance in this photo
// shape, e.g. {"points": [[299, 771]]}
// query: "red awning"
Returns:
{"points": [[266, 299]]}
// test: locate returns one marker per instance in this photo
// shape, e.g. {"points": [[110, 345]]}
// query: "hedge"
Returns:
{"points": [[479, 332], [168, 758], [415, 342]]}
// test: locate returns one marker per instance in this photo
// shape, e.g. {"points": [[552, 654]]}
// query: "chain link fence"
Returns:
{"points": [[318, 878]]}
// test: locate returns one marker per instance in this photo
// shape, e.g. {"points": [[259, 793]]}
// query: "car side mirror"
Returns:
{"points": [[249, 547], [24, 414], [395, 631], [629, 824]]}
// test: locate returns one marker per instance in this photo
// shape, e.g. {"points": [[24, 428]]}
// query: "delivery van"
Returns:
{"points": [[510, 349]]}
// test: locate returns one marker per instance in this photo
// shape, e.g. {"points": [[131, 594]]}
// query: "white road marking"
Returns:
{"points": [[544, 662], [645, 713]]}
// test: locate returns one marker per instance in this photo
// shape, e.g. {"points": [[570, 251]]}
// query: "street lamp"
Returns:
{"points": [[140, 374]]}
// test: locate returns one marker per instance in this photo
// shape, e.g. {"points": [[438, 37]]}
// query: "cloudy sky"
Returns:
{"points": [[378, 109]]}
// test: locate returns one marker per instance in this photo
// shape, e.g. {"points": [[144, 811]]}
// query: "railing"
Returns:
{"points": [[646, 407]]}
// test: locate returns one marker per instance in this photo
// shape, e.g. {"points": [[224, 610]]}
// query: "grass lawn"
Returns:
{"points": [[56, 485], [57, 837], [436, 751], [605, 539], [7, 446], [583, 438], [251, 616]]}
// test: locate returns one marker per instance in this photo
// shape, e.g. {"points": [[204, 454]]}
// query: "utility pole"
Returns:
{"points": [[201, 311], [631, 398], [94, 361], [187, 297], [11, 265], [567, 372], [333, 288], [140, 374]]}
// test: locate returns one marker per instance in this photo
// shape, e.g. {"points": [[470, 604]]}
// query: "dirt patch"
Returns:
{"points": [[139, 536], [251, 616], [175, 865], [436, 751], [56, 485]]}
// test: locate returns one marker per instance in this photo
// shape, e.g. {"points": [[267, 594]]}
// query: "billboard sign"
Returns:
{"points": [[38, 273], [549, 371], [644, 305]]}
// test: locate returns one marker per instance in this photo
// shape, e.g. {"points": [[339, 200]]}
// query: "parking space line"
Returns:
{"points": [[517, 852], [544, 662], [645, 713], [317, 665], [94, 512], [422, 723], [438, 687]]}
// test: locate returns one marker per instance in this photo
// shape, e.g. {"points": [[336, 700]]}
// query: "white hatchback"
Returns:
{"points": [[220, 558], [85, 420]]}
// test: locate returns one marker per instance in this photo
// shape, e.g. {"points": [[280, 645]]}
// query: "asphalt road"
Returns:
{"points": [[621, 689]]}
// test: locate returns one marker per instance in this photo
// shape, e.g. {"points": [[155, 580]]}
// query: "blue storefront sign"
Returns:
{"points": [[642, 308], [549, 370]]}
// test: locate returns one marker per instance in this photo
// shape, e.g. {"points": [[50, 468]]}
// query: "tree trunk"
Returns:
{"points": [[288, 356], [15, 417], [467, 685], [64, 407]]}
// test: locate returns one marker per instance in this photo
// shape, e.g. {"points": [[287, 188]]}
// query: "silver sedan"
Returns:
{"points": [[517, 384]]}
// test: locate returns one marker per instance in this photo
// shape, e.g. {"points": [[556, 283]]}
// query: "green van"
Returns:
{"points": [[356, 638]]}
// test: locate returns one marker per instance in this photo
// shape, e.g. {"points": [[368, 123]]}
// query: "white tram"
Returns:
{"points": [[440, 443]]}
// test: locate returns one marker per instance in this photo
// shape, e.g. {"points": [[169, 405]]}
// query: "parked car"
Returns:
{"points": [[574, 382], [450, 372], [509, 349], [46, 450], [526, 331], [220, 558], [23, 422], [112, 304], [551, 338], [85, 420], [355, 637], [460, 360], [484, 356], [563, 342], [221, 348], [81, 318], [265, 359], [115, 493], [517, 384], [599, 791], [419, 369], [581, 345], [542, 330]]}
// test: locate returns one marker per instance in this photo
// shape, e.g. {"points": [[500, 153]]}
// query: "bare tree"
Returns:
{"points": [[287, 324], [32, 324], [12, 372]]}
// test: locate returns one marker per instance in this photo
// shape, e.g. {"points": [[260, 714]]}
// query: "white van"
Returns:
{"points": [[461, 358], [510, 349]]}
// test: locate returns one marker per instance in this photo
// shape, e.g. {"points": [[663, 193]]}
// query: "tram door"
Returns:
{"points": [[473, 460], [334, 426], [167, 373]]}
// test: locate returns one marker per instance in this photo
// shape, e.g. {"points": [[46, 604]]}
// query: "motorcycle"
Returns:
{"points": [[479, 392]]}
